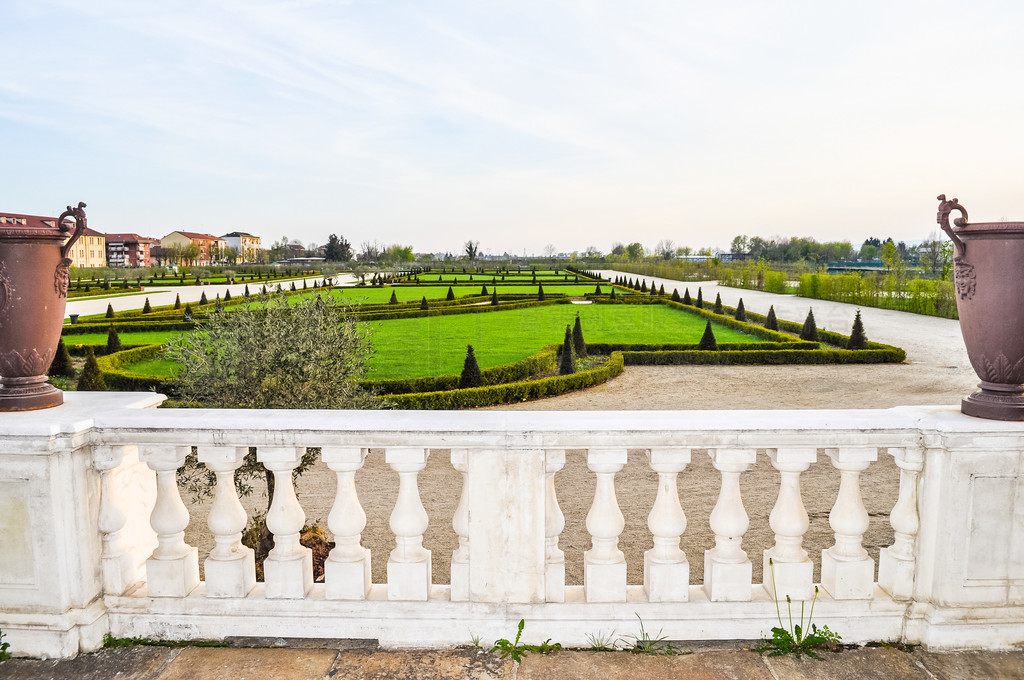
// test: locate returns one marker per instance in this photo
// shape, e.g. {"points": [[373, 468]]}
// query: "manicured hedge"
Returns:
{"points": [[523, 390], [770, 357], [609, 347], [458, 309], [120, 327], [98, 350], [118, 378]]}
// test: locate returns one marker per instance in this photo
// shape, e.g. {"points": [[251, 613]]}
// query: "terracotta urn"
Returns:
{"points": [[34, 276], [989, 276]]}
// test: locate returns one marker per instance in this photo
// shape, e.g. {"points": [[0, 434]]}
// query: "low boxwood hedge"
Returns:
{"points": [[118, 378]]}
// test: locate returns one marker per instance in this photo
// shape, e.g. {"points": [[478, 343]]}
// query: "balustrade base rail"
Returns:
{"points": [[92, 527]]}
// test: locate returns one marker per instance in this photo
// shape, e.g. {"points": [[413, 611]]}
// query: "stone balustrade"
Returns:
{"points": [[92, 526]]}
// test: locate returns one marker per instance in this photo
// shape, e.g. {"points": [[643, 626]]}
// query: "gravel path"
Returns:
{"points": [[936, 372]]}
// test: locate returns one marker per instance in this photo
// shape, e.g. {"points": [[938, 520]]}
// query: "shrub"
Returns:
{"points": [[858, 340], [675, 295], [578, 344], [394, 299], [643, 286], [494, 297], [597, 289], [699, 304], [203, 299], [188, 311], [450, 296], [61, 364], [177, 301], [423, 302], [113, 341], [567, 362], [110, 311], [227, 296], [707, 341], [687, 300], [91, 379], [809, 331], [246, 291], [718, 304], [661, 289], [483, 290], [540, 291], [770, 322], [741, 313], [470, 376], [612, 295], [147, 308]]}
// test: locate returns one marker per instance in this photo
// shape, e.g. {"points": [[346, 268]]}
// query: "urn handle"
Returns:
{"points": [[80, 224], [946, 207]]}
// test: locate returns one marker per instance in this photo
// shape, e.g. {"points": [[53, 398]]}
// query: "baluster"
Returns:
{"points": [[288, 569], [727, 571], [460, 523], [791, 572], [230, 570], [409, 563], [666, 570], [118, 568], [554, 523], [847, 573], [347, 568], [604, 565], [173, 569], [897, 562]]}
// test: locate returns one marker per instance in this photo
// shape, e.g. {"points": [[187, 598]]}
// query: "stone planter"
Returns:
{"points": [[34, 276], [989, 277]]}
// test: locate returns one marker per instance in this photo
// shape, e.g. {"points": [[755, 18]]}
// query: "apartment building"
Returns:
{"points": [[245, 245], [210, 248], [129, 250]]}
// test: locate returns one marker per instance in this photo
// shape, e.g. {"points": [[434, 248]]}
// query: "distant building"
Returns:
{"points": [[88, 250], [129, 250], [210, 246], [246, 245]]}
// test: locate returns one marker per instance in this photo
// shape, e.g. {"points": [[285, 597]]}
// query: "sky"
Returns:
{"points": [[516, 124]]}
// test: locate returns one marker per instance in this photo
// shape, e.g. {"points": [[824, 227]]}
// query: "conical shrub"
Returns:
{"points": [[246, 291], [177, 300], [147, 308], [611, 296], [451, 294], [423, 303], [110, 311], [699, 304], [718, 309], [61, 364], [675, 295], [91, 379], [643, 287], [394, 299], [494, 297], [741, 313], [770, 322], [113, 341], [661, 289], [809, 331], [567, 362], [858, 340], [188, 311], [687, 300], [579, 345], [540, 291], [471, 376], [707, 341], [227, 296], [203, 299], [597, 289], [483, 290]]}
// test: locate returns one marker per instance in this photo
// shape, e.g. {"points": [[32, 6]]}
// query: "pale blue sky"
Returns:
{"points": [[515, 123]]}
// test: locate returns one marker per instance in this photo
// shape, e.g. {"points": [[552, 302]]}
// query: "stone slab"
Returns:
{"points": [[864, 663], [123, 663], [436, 664], [216, 663], [569, 665], [970, 665]]}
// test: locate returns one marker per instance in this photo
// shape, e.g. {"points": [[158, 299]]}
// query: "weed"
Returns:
{"points": [[4, 646], [645, 643], [602, 642], [111, 641], [475, 639], [516, 651], [795, 639]]}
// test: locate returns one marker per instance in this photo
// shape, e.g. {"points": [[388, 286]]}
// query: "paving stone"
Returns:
{"points": [[568, 665], [439, 664], [970, 665], [218, 663], [123, 663], [865, 663]]}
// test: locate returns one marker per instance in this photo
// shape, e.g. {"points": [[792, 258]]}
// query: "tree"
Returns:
{"points": [[687, 300], [227, 296], [550, 250], [394, 299], [618, 249], [177, 300], [203, 300], [61, 365], [858, 340], [809, 331], [634, 252], [770, 322], [700, 299], [666, 249], [741, 313], [740, 245], [91, 379], [472, 249], [675, 295], [398, 253], [718, 309], [471, 376], [110, 311], [451, 294], [707, 341], [370, 251], [567, 362], [579, 345], [338, 249], [147, 308], [113, 341], [423, 303], [494, 296]]}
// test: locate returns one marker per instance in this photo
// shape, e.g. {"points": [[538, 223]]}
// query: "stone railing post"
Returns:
{"points": [[288, 569], [847, 572], [347, 568], [173, 570], [409, 575], [554, 523], [666, 570], [118, 566], [787, 568], [727, 571], [896, 563], [230, 570], [604, 565], [460, 524]]}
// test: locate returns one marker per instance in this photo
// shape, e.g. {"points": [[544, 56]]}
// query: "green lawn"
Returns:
{"points": [[408, 348], [416, 293], [161, 367], [142, 338]]}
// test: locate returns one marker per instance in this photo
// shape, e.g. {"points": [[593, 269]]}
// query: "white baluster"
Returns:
{"points": [[117, 566], [790, 572], [173, 569], [460, 523], [288, 569], [347, 569], [666, 570], [604, 565], [727, 571], [230, 569], [896, 563], [554, 523], [847, 573], [409, 563]]}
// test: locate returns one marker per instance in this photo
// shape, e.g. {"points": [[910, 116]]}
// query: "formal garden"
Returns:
{"points": [[473, 337]]}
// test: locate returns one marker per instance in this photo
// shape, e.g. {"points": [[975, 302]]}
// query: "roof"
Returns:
{"points": [[196, 236], [239, 234], [34, 221], [130, 238]]}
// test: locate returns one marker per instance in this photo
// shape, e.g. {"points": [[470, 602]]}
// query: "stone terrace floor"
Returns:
{"points": [[309, 659]]}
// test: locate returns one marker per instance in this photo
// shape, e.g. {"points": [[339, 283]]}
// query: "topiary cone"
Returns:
{"points": [[471, 376], [707, 341], [858, 340], [770, 322], [809, 331], [91, 379]]}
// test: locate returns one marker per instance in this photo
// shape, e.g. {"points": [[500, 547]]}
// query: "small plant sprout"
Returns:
{"points": [[645, 643], [796, 639], [516, 652], [602, 642]]}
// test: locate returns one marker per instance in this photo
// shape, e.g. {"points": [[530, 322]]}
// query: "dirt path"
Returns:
{"points": [[936, 372]]}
